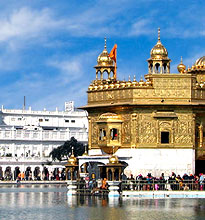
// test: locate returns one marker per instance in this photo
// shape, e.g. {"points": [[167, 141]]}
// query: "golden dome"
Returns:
{"points": [[159, 51], [72, 160], [181, 67], [199, 65], [104, 58], [113, 159], [200, 62]]}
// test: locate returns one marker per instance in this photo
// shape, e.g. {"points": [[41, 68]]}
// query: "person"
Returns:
{"points": [[19, 176], [201, 181], [22, 176], [90, 184], [104, 184]]}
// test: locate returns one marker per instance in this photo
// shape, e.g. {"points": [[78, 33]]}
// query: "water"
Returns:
{"points": [[50, 202]]}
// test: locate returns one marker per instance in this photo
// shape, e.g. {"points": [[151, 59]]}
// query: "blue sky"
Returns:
{"points": [[48, 48]]}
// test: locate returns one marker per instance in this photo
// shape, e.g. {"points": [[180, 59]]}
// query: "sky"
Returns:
{"points": [[48, 48]]}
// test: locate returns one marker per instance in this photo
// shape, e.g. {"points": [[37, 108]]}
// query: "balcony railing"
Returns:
{"points": [[42, 135]]}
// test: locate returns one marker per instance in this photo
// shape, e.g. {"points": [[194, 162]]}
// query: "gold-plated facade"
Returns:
{"points": [[166, 111]]}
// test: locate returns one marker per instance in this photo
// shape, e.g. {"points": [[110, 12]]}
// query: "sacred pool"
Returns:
{"points": [[51, 202]]}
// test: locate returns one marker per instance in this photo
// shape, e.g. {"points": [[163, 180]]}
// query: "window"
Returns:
{"points": [[66, 121], [164, 137], [40, 119], [46, 119], [72, 121], [19, 119], [102, 135], [114, 134]]}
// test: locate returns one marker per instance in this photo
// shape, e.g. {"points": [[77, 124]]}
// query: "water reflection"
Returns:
{"points": [[51, 202]]}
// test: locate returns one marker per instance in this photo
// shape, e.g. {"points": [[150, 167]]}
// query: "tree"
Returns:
{"points": [[64, 151]]}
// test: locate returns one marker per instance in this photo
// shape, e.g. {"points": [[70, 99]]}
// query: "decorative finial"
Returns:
{"points": [[158, 34], [72, 150], [129, 78], [141, 78], [134, 78], [105, 43], [181, 60]]}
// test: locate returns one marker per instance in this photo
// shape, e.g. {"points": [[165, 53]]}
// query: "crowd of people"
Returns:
{"points": [[173, 182]]}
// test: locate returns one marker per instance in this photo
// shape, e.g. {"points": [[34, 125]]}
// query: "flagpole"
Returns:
{"points": [[115, 77]]}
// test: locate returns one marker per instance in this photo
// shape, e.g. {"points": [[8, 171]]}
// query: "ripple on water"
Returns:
{"points": [[51, 202]]}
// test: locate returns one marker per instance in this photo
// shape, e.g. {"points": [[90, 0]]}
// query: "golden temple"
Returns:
{"points": [[161, 117]]}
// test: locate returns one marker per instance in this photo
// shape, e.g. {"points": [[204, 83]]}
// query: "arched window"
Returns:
{"points": [[102, 135], [151, 68], [98, 74], [111, 74], [157, 68], [164, 68], [105, 74], [113, 134]]}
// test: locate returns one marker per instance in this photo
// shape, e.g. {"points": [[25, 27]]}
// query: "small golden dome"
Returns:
{"points": [[134, 82], [141, 82], [72, 160], [90, 87], [85, 153], [181, 67], [122, 84], [128, 83], [117, 84], [104, 58], [148, 82], [159, 51], [113, 159]]}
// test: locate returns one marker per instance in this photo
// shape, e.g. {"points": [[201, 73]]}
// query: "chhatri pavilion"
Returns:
{"points": [[156, 125]]}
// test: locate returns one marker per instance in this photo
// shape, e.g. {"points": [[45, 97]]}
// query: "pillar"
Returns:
{"points": [[201, 135], [90, 133]]}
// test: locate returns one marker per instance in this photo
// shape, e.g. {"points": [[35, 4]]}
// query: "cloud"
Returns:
{"points": [[70, 70], [26, 23], [141, 27]]}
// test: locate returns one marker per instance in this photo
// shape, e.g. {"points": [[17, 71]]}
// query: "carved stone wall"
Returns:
{"points": [[94, 131], [184, 129], [126, 129], [147, 130]]}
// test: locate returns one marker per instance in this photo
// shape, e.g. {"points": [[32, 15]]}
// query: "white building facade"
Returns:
{"points": [[27, 137]]}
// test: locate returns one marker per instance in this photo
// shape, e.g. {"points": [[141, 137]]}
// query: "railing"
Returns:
{"points": [[42, 135], [155, 185]]}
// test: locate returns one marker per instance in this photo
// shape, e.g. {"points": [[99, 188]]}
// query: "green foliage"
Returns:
{"points": [[65, 150]]}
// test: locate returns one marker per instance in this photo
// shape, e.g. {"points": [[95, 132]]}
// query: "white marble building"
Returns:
{"points": [[27, 137]]}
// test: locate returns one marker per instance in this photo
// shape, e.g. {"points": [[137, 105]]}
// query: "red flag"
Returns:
{"points": [[113, 53]]}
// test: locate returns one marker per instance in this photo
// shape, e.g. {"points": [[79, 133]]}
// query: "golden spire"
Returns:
{"points": [[181, 67], [72, 151], [72, 160], [105, 46], [159, 35]]}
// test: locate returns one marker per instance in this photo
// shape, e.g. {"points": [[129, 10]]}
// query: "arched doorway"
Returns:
{"points": [[94, 170], [28, 173], [37, 173], [1, 173], [45, 175], [8, 174], [16, 172]]}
